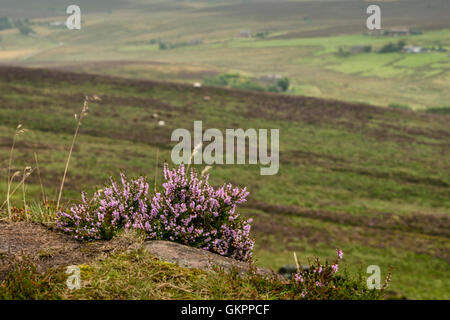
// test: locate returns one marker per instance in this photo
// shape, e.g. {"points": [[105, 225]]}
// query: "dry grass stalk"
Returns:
{"points": [[205, 171], [18, 132], [28, 172], [25, 171], [194, 152], [44, 198], [80, 119], [296, 262], [156, 167]]}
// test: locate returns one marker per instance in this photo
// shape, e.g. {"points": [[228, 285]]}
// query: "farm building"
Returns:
{"points": [[360, 49], [271, 77], [398, 32], [415, 49], [245, 34]]}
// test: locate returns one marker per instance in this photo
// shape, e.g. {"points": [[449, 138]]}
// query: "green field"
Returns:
{"points": [[363, 165], [302, 42], [372, 181]]}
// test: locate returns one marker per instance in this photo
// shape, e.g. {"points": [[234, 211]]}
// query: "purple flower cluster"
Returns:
{"points": [[192, 212], [121, 205], [318, 276], [189, 211]]}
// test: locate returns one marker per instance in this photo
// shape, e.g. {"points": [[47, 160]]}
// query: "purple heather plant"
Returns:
{"points": [[325, 282], [189, 211], [192, 212], [118, 206], [318, 277]]}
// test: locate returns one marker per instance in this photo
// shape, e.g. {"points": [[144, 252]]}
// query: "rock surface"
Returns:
{"points": [[189, 257], [47, 248]]}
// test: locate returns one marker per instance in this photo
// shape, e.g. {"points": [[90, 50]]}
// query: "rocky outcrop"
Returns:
{"points": [[189, 257], [46, 248]]}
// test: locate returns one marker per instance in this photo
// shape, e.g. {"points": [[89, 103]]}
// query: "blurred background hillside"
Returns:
{"points": [[363, 117], [321, 46]]}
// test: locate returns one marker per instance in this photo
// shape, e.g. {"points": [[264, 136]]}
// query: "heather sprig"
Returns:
{"points": [[120, 205], [320, 280], [192, 212], [327, 282], [188, 210]]}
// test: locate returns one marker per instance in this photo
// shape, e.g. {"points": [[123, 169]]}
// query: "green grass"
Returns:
{"points": [[341, 171], [24, 282], [412, 270], [400, 106], [358, 177], [136, 275]]}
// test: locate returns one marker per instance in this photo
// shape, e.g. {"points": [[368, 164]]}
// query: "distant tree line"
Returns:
{"points": [[261, 34], [438, 47], [165, 45], [236, 81], [398, 47], [22, 25], [393, 47], [353, 50], [5, 23], [390, 47]]}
